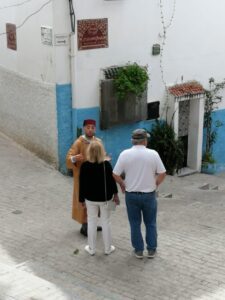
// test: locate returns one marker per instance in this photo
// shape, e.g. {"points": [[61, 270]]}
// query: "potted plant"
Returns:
{"points": [[131, 80], [208, 163], [123, 95], [164, 141]]}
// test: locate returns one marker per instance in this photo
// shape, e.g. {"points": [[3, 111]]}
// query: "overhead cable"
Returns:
{"points": [[28, 17], [15, 5]]}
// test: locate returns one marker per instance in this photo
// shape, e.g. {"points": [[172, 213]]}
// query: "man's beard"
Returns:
{"points": [[89, 135]]}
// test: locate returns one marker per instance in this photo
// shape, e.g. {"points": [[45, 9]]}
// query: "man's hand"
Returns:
{"points": [[116, 199], [79, 157], [120, 181], [108, 158], [122, 186]]}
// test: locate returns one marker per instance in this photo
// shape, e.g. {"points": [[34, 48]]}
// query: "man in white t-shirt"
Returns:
{"points": [[144, 171]]}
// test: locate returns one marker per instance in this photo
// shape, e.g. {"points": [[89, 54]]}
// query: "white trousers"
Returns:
{"points": [[92, 214]]}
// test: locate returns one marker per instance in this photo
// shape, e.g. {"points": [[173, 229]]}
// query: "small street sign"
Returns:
{"points": [[61, 39]]}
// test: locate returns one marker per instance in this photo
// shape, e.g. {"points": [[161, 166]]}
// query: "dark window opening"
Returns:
{"points": [[153, 110], [184, 140]]}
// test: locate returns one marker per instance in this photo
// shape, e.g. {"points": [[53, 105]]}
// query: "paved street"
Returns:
{"points": [[41, 250]]}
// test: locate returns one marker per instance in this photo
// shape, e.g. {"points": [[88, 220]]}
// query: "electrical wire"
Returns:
{"points": [[15, 5], [28, 17], [164, 36], [34, 13]]}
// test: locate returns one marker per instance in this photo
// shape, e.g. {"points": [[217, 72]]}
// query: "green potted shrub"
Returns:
{"points": [[164, 141], [208, 163], [131, 80]]}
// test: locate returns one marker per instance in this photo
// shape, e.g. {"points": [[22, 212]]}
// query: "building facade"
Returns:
{"points": [[52, 80]]}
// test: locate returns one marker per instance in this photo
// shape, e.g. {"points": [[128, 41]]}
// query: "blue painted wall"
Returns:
{"points": [[116, 138], [219, 146], [64, 122]]}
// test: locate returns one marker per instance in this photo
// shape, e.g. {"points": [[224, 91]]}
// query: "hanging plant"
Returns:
{"points": [[131, 79]]}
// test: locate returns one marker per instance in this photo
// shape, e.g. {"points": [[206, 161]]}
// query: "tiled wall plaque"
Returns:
{"points": [[11, 36], [92, 34]]}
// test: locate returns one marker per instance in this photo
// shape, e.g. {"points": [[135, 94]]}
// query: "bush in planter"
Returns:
{"points": [[170, 149], [208, 163], [131, 79], [208, 158]]}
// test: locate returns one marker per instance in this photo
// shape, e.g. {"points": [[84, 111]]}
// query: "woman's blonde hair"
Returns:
{"points": [[96, 152]]}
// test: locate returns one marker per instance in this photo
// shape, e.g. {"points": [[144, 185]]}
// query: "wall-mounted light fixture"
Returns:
{"points": [[156, 49]]}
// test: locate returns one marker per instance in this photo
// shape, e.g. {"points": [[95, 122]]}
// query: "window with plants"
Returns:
{"points": [[131, 79], [123, 95]]}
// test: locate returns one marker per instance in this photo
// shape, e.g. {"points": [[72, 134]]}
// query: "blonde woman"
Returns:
{"points": [[97, 187]]}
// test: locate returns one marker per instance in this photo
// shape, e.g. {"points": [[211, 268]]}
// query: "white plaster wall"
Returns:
{"points": [[193, 47], [28, 113], [27, 80], [131, 34], [62, 54], [195, 133], [46, 63], [32, 58]]}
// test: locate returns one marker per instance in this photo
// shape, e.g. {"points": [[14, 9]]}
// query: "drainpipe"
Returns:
{"points": [[62, 30], [72, 65], [72, 16], [73, 83]]}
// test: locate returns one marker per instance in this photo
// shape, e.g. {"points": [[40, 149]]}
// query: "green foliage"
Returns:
{"points": [[207, 159], [212, 99], [131, 78], [164, 141]]}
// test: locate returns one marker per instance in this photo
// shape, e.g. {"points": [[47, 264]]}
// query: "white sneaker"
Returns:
{"points": [[112, 249], [89, 250]]}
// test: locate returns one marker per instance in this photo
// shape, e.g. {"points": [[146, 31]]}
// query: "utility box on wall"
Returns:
{"points": [[115, 111], [156, 49]]}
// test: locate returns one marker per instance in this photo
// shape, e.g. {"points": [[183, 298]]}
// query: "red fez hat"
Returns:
{"points": [[89, 122]]}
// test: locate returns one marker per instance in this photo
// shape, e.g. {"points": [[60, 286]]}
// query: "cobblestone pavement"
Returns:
{"points": [[41, 250]]}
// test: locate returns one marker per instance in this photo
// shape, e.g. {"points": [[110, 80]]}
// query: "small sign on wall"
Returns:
{"points": [[11, 36], [92, 34], [61, 39], [46, 35]]}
